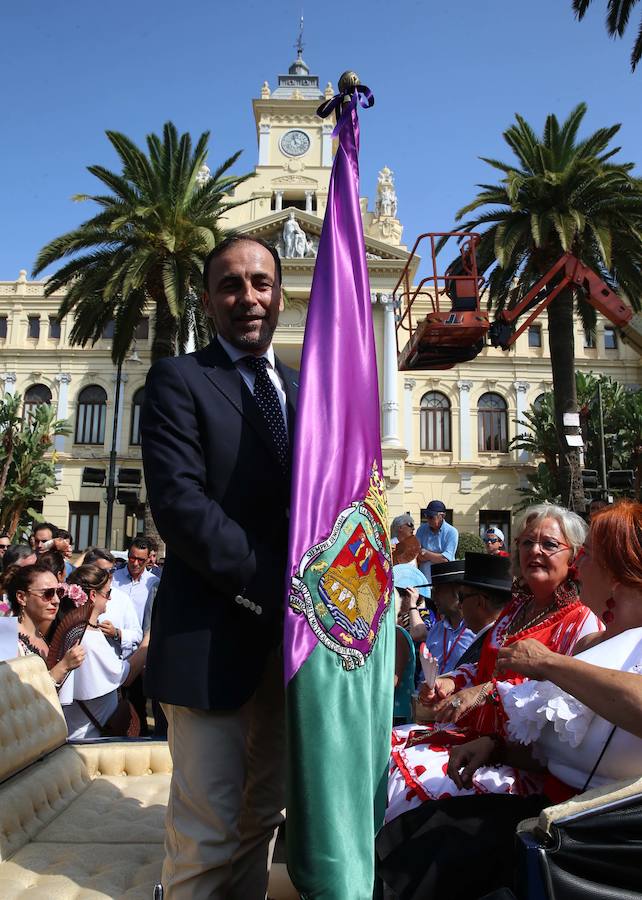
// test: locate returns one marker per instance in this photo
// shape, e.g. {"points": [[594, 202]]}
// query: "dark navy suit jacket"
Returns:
{"points": [[220, 500]]}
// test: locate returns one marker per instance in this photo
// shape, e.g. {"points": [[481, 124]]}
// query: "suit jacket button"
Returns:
{"points": [[252, 606], [258, 609], [239, 599], [246, 602]]}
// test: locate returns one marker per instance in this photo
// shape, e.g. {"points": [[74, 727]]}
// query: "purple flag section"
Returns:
{"points": [[337, 448]]}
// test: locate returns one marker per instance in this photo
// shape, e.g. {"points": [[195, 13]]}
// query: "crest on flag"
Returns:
{"points": [[342, 585]]}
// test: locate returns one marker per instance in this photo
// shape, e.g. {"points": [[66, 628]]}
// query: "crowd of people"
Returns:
{"points": [[536, 695], [89, 619]]}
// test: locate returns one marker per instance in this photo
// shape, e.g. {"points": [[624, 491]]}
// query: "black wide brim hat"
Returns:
{"points": [[488, 571], [447, 572]]}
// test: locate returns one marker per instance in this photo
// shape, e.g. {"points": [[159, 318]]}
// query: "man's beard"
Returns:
{"points": [[255, 340]]}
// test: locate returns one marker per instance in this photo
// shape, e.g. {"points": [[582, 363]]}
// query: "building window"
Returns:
{"points": [[54, 328], [35, 395], [434, 419], [3, 326], [610, 338], [108, 329], [83, 524], [91, 415], [141, 332], [492, 424], [535, 336], [137, 405], [538, 402], [499, 518], [33, 327], [589, 339]]}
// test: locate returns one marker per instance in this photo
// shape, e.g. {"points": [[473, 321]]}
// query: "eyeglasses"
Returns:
{"points": [[4, 547], [49, 593], [492, 541], [548, 546], [137, 559], [105, 594], [461, 597]]}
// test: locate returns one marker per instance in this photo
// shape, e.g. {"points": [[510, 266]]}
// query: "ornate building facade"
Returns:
{"points": [[445, 434]]}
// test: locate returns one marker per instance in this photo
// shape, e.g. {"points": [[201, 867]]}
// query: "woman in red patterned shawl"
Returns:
{"points": [[464, 703]]}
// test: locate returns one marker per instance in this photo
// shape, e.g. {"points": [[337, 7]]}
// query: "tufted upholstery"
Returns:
{"points": [[31, 718]]}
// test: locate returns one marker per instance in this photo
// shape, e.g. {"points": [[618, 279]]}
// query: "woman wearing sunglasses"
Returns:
{"points": [[34, 596], [89, 696]]}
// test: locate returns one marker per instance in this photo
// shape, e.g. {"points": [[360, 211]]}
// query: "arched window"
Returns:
{"points": [[434, 419], [492, 424], [91, 415], [538, 402], [137, 403], [34, 397]]}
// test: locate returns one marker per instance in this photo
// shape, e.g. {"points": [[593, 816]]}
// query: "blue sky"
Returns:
{"points": [[447, 77]]}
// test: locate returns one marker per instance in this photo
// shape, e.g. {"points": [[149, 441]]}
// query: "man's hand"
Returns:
{"points": [[467, 758], [108, 629], [62, 545], [423, 555], [527, 657], [454, 708]]}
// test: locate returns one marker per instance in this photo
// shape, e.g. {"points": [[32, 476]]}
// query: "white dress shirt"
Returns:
{"points": [[137, 591], [248, 375]]}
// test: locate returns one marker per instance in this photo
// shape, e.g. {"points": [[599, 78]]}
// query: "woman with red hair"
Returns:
{"points": [[577, 722]]}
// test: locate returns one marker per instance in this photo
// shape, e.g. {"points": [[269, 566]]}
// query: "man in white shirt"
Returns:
{"points": [[136, 582], [119, 623]]}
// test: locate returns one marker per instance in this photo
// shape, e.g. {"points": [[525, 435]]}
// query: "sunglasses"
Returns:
{"points": [[50, 593], [492, 541]]}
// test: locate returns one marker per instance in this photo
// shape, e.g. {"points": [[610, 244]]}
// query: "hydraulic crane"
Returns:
{"points": [[448, 336]]}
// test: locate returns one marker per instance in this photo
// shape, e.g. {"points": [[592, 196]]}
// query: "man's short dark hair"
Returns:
{"points": [[140, 543], [95, 553], [64, 534], [4, 534], [152, 544], [235, 239], [15, 553], [40, 526]]}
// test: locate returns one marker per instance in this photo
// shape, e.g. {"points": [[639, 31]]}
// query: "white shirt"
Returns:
{"points": [[137, 591], [121, 613], [248, 375]]}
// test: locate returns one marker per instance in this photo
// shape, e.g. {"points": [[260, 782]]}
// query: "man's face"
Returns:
{"points": [[434, 522], [446, 599], [493, 544], [152, 558], [136, 561], [244, 296], [104, 564], [40, 538], [4, 543]]}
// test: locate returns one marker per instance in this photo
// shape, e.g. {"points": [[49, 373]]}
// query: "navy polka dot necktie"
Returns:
{"points": [[267, 401]]}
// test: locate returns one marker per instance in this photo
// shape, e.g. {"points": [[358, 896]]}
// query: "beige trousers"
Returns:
{"points": [[226, 796]]}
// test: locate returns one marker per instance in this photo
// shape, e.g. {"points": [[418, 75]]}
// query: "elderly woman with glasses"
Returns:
{"points": [[89, 696], [34, 595], [545, 605]]}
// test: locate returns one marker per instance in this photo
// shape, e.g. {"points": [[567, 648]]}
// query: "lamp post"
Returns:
{"points": [[111, 478]]}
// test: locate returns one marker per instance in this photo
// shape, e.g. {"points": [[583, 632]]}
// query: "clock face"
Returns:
{"points": [[295, 143]]}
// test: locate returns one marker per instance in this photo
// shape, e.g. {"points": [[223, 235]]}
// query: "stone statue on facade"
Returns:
{"points": [[295, 242], [386, 203]]}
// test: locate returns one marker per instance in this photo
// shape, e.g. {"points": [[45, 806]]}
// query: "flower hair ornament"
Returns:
{"points": [[75, 593]]}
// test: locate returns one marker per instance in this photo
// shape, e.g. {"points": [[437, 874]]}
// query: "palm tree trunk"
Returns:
{"points": [[562, 347]]}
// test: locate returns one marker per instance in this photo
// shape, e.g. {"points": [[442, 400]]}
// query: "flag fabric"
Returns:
{"points": [[339, 630]]}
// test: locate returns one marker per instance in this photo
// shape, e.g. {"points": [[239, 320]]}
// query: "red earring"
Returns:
{"points": [[607, 615]]}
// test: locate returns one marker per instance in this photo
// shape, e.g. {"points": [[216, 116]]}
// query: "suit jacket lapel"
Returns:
{"points": [[224, 375], [290, 379]]}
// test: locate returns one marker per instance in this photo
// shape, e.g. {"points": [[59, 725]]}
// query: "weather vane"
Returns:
{"points": [[299, 41]]}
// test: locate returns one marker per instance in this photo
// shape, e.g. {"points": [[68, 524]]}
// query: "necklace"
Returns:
{"points": [[522, 623], [91, 625]]}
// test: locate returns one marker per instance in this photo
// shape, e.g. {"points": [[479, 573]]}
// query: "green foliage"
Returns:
{"points": [[27, 461], [561, 193], [617, 19], [542, 488], [469, 543], [157, 223]]}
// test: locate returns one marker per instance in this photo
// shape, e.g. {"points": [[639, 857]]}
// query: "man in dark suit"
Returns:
{"points": [[217, 432]]}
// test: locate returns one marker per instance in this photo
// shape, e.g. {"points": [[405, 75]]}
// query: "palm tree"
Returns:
{"points": [[562, 194], [157, 223], [617, 18]]}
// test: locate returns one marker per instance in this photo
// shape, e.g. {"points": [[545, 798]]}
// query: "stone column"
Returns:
{"points": [[264, 144], [9, 379], [308, 200], [409, 385], [119, 412], [390, 405], [63, 379], [521, 389], [326, 144], [465, 450], [278, 205]]}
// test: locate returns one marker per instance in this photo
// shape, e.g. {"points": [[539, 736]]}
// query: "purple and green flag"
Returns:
{"points": [[339, 630]]}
